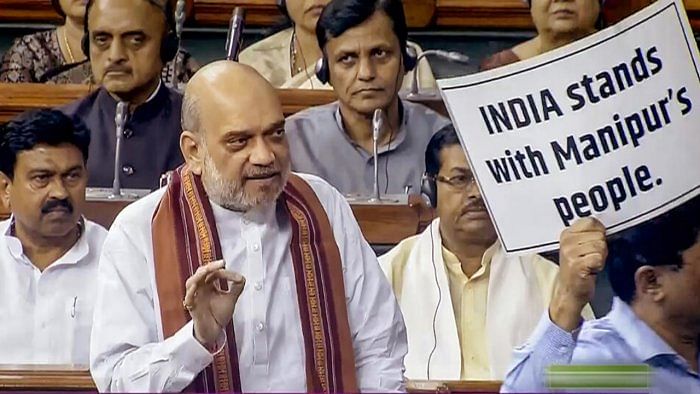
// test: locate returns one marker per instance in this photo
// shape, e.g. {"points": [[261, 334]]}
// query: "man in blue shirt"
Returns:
{"points": [[654, 270]]}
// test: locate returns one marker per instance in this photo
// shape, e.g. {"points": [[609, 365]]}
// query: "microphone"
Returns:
{"points": [[119, 121], [454, 57], [377, 126], [179, 24], [179, 17], [235, 33], [52, 72]]}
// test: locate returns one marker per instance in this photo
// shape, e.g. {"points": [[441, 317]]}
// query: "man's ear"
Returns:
{"points": [[5, 189], [191, 147], [647, 281]]}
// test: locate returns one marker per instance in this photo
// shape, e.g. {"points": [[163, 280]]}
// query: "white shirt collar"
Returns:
{"points": [[74, 255], [153, 95]]}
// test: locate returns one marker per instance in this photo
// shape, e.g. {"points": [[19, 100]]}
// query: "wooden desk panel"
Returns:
{"points": [[38, 11], [42, 378], [16, 98], [479, 14], [453, 386], [19, 97], [483, 14], [693, 9], [419, 13], [380, 224], [70, 378], [41, 11]]}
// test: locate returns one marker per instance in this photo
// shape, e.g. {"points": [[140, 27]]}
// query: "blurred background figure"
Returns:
{"points": [[558, 23], [56, 55]]}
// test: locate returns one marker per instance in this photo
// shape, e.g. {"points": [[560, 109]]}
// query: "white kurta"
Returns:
{"points": [[46, 316], [129, 352], [518, 293]]}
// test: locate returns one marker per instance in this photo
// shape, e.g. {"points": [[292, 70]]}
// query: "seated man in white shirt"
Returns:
{"points": [[312, 309], [466, 304], [48, 252], [365, 59]]}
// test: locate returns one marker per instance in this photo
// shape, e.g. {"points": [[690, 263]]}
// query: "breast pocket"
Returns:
{"points": [[78, 317]]}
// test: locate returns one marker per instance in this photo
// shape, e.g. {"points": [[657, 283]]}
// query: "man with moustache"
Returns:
{"points": [[48, 251], [465, 302], [365, 59], [287, 58], [234, 228], [128, 42]]}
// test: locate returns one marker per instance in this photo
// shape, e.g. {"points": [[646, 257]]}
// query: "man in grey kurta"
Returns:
{"points": [[127, 53], [319, 145], [365, 58]]}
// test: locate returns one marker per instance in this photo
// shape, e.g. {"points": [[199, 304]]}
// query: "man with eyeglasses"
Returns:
{"points": [[465, 303]]}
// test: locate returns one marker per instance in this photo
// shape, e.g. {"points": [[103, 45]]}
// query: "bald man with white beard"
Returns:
{"points": [[241, 275]]}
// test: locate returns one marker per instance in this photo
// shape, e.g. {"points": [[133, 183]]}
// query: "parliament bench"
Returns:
{"points": [[420, 14], [76, 378], [16, 98]]}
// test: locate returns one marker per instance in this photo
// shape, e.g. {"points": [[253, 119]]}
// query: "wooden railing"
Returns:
{"points": [[44, 377], [71, 378], [17, 98], [380, 224], [478, 14], [453, 386]]}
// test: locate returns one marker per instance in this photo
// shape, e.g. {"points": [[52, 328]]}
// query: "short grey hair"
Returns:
{"points": [[190, 116]]}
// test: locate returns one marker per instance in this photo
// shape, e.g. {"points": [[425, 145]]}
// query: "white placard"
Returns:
{"points": [[608, 126]]}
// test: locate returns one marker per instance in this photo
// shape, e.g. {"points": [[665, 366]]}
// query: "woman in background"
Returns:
{"points": [[287, 59], [558, 23], [45, 56]]}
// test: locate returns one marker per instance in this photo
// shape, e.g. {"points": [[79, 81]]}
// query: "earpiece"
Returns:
{"points": [[428, 188], [410, 59], [321, 69], [168, 47]]}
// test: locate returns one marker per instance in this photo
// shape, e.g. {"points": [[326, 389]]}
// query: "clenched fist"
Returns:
{"points": [[582, 254]]}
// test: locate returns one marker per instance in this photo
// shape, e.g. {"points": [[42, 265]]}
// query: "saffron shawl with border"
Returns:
{"points": [[185, 237]]}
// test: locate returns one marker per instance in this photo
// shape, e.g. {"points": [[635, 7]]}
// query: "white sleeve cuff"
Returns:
{"points": [[185, 350]]}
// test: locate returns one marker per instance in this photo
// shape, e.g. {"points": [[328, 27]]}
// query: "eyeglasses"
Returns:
{"points": [[461, 181]]}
